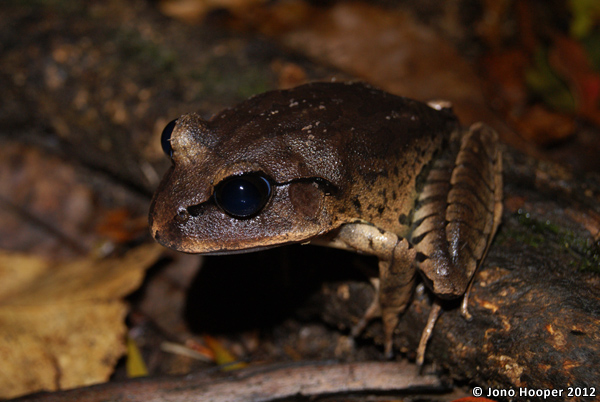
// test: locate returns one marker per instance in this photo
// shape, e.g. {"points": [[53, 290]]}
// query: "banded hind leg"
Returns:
{"points": [[456, 217]]}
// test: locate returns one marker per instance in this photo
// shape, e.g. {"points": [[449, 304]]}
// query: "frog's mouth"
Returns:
{"points": [[191, 248], [246, 250]]}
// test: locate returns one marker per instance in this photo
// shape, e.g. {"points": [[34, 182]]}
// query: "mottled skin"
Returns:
{"points": [[354, 168]]}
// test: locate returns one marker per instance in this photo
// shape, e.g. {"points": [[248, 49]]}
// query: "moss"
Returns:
{"points": [[534, 236], [583, 252], [226, 77], [590, 261], [65, 7], [133, 48], [535, 225]]}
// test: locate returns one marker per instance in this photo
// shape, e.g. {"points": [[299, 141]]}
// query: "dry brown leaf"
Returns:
{"points": [[195, 10], [543, 126], [41, 212], [66, 213], [62, 326]]}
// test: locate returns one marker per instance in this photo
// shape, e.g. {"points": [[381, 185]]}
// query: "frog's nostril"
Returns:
{"points": [[183, 213]]}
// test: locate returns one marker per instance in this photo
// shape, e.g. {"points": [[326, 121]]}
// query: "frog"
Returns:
{"points": [[343, 165]]}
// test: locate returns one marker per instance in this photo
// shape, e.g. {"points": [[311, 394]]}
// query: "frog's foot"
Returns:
{"points": [[464, 306], [389, 316], [372, 312], [434, 314]]}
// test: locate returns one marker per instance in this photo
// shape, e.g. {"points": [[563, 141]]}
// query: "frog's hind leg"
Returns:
{"points": [[457, 214], [397, 279], [393, 291]]}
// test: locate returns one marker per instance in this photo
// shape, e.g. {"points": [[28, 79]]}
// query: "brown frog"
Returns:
{"points": [[342, 165]]}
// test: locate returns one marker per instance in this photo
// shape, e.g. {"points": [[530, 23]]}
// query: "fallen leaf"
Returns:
{"points": [[543, 126], [195, 10], [41, 213], [223, 356], [136, 366], [120, 226], [64, 214], [62, 326]]}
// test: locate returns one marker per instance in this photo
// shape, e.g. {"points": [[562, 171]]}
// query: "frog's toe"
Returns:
{"points": [[373, 311], [434, 314], [390, 322], [464, 309], [389, 318]]}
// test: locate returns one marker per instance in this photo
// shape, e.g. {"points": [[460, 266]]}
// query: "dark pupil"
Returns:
{"points": [[165, 138], [243, 196]]}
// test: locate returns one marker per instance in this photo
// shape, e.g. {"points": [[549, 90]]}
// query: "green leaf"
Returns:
{"points": [[548, 85], [585, 15]]}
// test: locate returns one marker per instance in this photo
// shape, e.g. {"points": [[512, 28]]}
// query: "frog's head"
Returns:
{"points": [[239, 191]]}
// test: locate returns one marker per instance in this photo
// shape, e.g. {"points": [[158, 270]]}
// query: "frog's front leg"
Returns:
{"points": [[396, 273]]}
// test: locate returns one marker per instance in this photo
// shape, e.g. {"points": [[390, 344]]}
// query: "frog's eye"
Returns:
{"points": [[243, 196], [165, 138]]}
